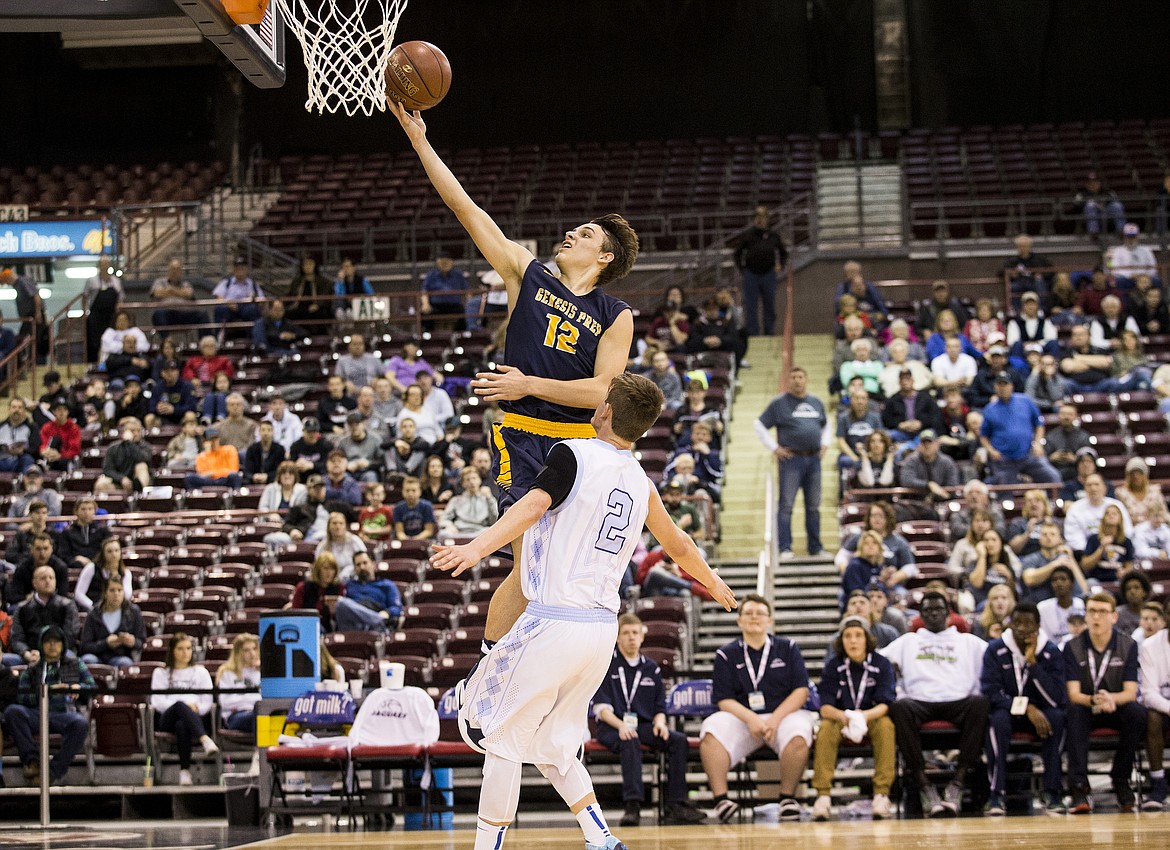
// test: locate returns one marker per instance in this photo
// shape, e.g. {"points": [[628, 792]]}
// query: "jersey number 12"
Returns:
{"points": [[610, 538], [561, 334]]}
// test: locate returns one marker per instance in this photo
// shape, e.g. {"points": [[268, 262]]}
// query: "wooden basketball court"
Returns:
{"points": [[1018, 833]]}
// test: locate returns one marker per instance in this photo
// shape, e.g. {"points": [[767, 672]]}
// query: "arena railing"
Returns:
{"points": [[14, 364]]}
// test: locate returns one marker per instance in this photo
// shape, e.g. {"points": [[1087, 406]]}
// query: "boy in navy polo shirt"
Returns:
{"points": [[760, 685], [630, 707], [414, 517]]}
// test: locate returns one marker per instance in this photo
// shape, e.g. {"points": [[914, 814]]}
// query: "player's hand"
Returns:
{"points": [[454, 559], [507, 383], [625, 733], [723, 594], [415, 127]]}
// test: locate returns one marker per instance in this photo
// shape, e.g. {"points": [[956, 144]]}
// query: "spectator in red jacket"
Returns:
{"points": [[61, 438], [201, 368]]}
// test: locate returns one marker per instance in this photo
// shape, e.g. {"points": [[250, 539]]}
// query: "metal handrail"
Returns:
{"points": [[766, 570]]}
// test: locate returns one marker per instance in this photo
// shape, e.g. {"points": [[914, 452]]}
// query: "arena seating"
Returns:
{"points": [[90, 187]]}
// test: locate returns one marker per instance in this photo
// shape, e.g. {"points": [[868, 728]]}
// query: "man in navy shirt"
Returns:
{"points": [[630, 707], [1013, 434], [1023, 679], [414, 517], [1101, 669], [443, 288], [760, 685]]}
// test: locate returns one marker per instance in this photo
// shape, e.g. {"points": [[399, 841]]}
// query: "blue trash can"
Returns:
{"points": [[442, 794], [290, 659]]}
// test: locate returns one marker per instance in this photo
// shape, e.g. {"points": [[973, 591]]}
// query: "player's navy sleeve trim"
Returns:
{"points": [[559, 474]]}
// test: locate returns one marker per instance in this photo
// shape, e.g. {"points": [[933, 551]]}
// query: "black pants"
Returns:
{"points": [[187, 727], [969, 714], [631, 755], [1130, 722]]}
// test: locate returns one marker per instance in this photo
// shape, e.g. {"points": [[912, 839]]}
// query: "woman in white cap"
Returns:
{"points": [[1140, 497]]}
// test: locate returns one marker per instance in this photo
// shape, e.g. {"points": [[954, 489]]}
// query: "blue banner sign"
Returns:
{"points": [[50, 238]]}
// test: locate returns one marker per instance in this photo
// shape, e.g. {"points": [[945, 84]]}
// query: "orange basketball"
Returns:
{"points": [[418, 75]]}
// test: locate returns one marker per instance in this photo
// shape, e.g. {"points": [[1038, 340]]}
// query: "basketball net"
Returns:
{"points": [[346, 58]]}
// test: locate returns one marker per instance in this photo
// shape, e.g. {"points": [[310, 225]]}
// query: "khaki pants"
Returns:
{"points": [[881, 737]]}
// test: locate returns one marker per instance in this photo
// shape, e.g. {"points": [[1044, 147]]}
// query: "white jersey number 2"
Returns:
{"points": [[610, 538]]}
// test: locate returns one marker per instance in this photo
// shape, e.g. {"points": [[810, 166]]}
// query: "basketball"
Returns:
{"points": [[418, 75]]}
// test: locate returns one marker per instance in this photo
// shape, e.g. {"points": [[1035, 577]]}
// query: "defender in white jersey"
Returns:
{"points": [[528, 700]]}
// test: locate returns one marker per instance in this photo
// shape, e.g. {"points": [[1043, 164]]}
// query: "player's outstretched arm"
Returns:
{"points": [[519, 518], [683, 550], [505, 256]]}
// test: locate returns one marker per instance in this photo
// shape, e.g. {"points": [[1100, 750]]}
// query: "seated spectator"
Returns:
{"points": [[899, 361], [940, 671], [633, 686], [995, 564], [52, 667], [113, 632], [877, 462], [1105, 329], [1151, 539], [696, 408], [408, 452], [1154, 687], [868, 565], [664, 376], [1151, 313], [948, 327], [60, 439], [386, 404], [275, 333], [1013, 435], [349, 284], [286, 425], [309, 293], [883, 612], [126, 466], [214, 405], [682, 513], [357, 367], [668, 329], [880, 517], [954, 618], [331, 671], [308, 453], [185, 717], [241, 294], [112, 340], [443, 289], [851, 329], [44, 607], [910, 410], [953, 368], [1023, 680], [122, 364], [1131, 260], [237, 430], [1036, 567], [185, 446], [481, 459], [1085, 369], [201, 369], [81, 542], [712, 332], [1045, 385], [335, 407], [20, 438], [705, 465], [1102, 670], [1086, 465], [131, 401], [760, 704], [283, 492], [847, 714], [1023, 534], [241, 670], [1064, 441], [995, 363], [1130, 369], [41, 553], [940, 301], [660, 575], [362, 450], [1101, 286], [964, 550], [436, 481], [993, 618], [171, 397], [980, 328], [263, 457], [1140, 497], [1153, 620], [1057, 611], [435, 399], [900, 330], [927, 469], [863, 365], [167, 351], [370, 604], [339, 484], [306, 520], [1082, 518], [1134, 591], [473, 510], [341, 543], [869, 300], [1028, 272], [858, 605], [175, 299], [320, 590], [1098, 204], [217, 465], [1030, 326], [402, 370], [427, 426], [33, 489], [376, 518], [975, 495], [855, 422], [414, 519], [20, 543], [955, 436], [106, 567]]}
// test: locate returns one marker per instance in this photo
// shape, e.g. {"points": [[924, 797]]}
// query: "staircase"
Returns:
{"points": [[859, 205]]}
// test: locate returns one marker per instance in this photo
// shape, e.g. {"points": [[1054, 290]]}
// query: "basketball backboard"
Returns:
{"points": [[257, 51]]}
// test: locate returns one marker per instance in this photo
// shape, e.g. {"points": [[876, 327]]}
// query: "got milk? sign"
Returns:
{"points": [[55, 238]]}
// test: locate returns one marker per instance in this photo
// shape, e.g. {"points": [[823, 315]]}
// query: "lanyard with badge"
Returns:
{"points": [[630, 718], [1019, 701], [1098, 675], [859, 694], [756, 697]]}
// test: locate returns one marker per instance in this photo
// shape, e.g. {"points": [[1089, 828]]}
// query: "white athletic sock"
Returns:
{"points": [[489, 836], [592, 820]]}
